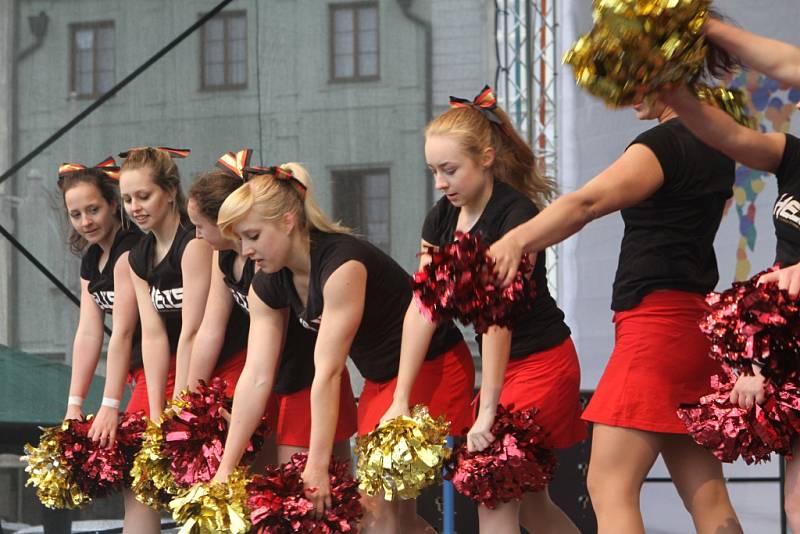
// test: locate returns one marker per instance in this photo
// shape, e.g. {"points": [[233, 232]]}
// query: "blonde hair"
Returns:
{"points": [[514, 161], [272, 198], [165, 172]]}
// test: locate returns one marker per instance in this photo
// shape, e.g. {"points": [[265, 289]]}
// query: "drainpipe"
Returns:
{"points": [[427, 28]]}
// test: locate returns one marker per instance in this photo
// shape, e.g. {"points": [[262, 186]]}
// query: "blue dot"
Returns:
{"points": [[794, 94], [760, 97]]}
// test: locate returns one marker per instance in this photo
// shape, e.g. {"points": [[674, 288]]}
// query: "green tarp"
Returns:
{"points": [[33, 390]]}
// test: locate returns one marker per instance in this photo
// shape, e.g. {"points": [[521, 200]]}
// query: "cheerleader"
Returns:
{"points": [[220, 347], [671, 190], [775, 153], [91, 198], [287, 409], [351, 293], [488, 177], [169, 307]]}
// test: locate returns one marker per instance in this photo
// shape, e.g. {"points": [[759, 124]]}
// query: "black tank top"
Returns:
{"points": [[543, 326], [101, 282], [669, 238], [786, 213], [165, 281], [296, 368], [376, 346]]}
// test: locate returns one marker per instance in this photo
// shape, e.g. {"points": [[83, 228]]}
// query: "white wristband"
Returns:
{"points": [[75, 400], [111, 403]]}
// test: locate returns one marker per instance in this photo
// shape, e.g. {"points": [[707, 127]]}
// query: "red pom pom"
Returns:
{"points": [[194, 434], [99, 471], [729, 431], [458, 283], [278, 504], [755, 323], [516, 462]]}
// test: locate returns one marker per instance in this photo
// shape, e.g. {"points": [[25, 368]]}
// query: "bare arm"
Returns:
{"points": [[196, 263], [635, 176], [718, 130], [125, 319], [85, 349], [155, 348], [496, 344], [264, 347], [417, 335], [211, 335], [774, 58], [344, 294]]}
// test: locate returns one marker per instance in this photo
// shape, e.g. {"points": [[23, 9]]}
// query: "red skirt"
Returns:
{"points": [[549, 380], [444, 385], [290, 415], [139, 399], [660, 360], [230, 370]]}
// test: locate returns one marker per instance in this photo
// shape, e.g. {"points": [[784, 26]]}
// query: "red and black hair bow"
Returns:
{"points": [[235, 163], [279, 173], [108, 167], [173, 152], [485, 103]]}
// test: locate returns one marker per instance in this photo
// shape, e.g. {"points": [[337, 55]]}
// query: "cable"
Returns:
{"points": [[114, 90], [25, 252]]}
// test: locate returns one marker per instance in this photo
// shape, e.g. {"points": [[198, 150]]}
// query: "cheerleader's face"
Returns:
{"points": [[89, 213], [460, 176], [206, 229], [146, 203], [268, 243], [649, 111]]}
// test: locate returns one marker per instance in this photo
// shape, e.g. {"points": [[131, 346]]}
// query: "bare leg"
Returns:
{"points": [[540, 515], [139, 518], [502, 520], [620, 461], [792, 489], [698, 477]]}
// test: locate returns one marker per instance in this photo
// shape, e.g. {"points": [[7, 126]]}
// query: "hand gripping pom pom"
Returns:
{"points": [[80, 469], [753, 434], [194, 433], [403, 456], [751, 323], [278, 504], [458, 283], [516, 462]]}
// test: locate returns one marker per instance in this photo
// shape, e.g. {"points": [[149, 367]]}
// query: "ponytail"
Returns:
{"points": [[272, 198]]}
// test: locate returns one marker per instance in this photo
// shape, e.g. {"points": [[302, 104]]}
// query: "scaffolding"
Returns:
{"points": [[525, 80]]}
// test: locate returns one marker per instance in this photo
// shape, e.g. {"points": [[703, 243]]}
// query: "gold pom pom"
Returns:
{"points": [[152, 481], [403, 456], [734, 102], [638, 47], [48, 472], [211, 507]]}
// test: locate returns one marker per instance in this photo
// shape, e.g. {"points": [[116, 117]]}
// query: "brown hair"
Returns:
{"points": [[211, 190], [165, 172], [108, 188], [272, 198], [719, 62], [514, 161]]}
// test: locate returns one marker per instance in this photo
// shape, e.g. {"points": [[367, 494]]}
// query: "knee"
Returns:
{"points": [[609, 491], [711, 496]]}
